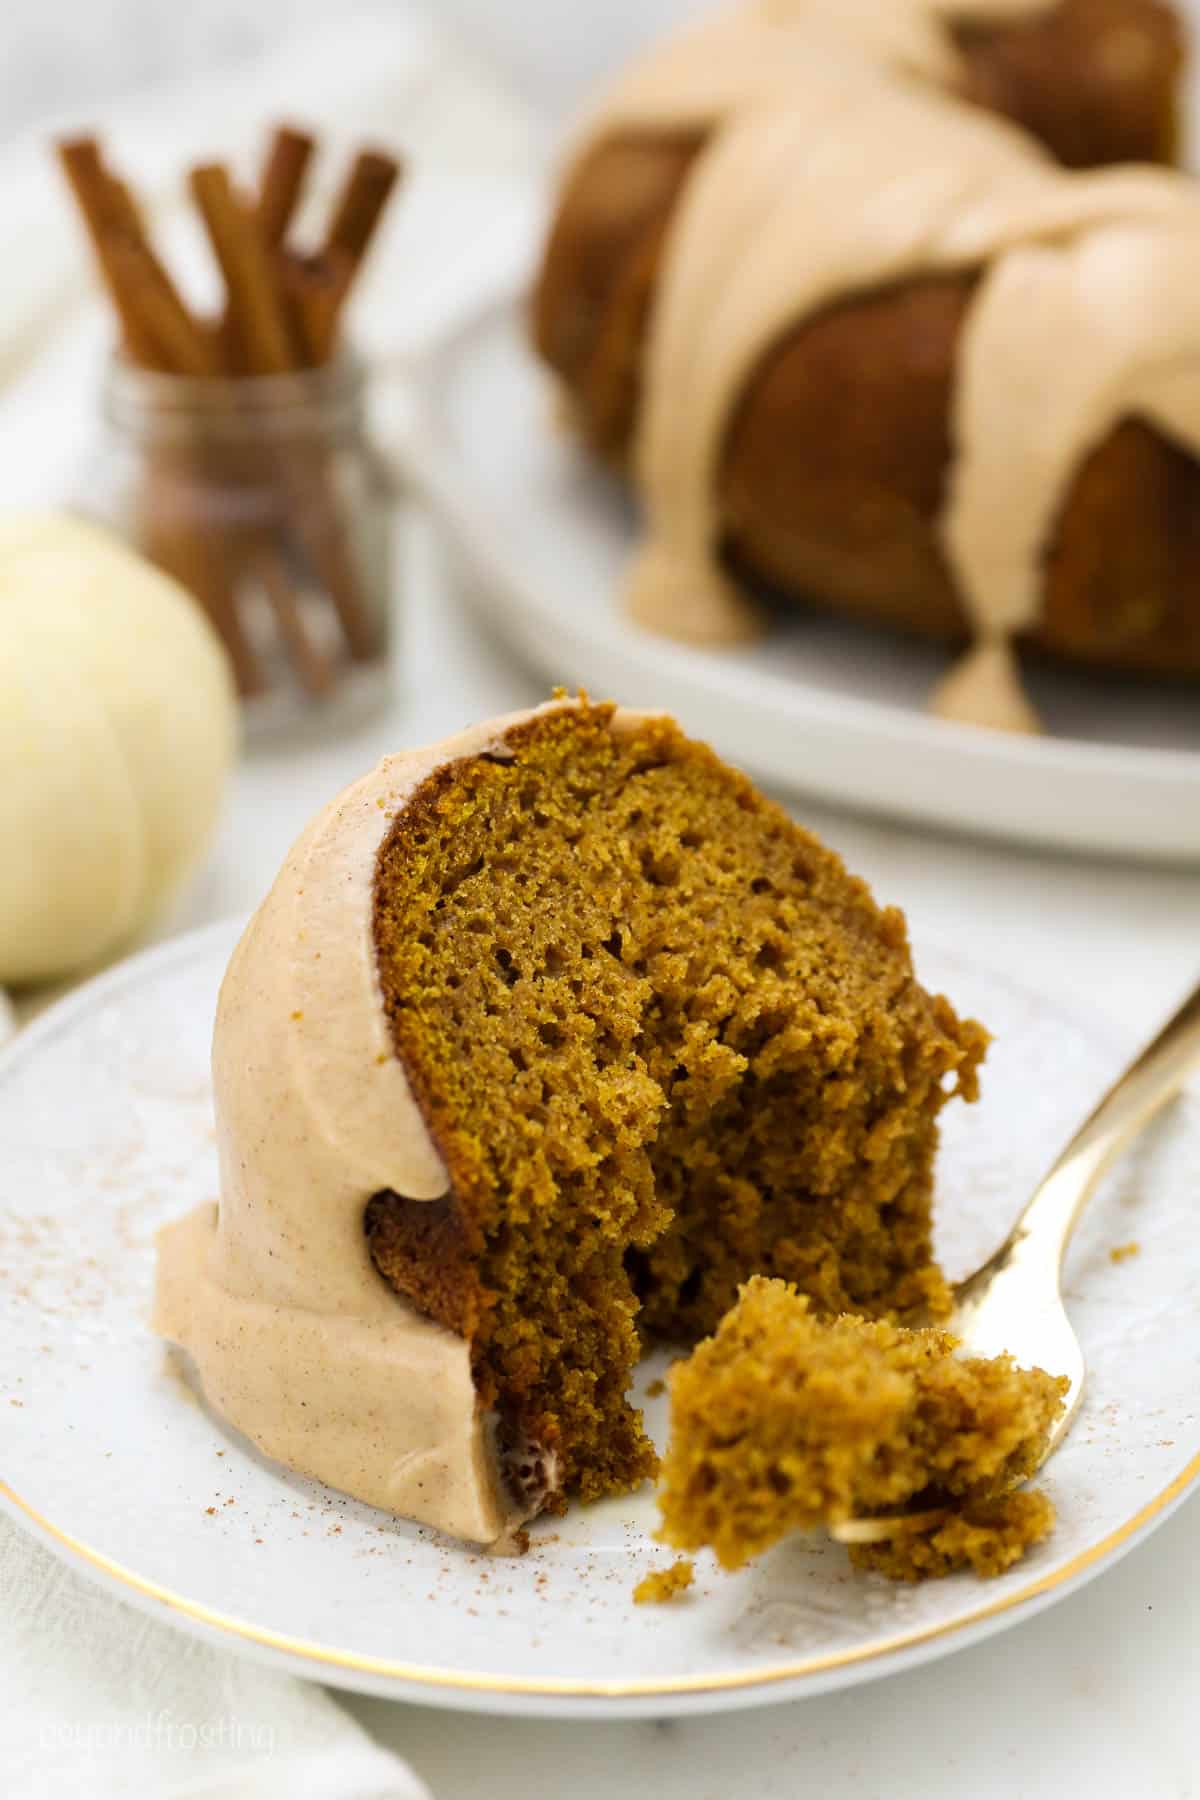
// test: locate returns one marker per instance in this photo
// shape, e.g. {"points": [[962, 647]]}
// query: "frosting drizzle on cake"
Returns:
{"points": [[828, 174], [297, 1339]]}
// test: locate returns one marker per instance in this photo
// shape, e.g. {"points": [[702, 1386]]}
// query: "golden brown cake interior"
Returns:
{"points": [[783, 1421], [661, 1040], [663, 1585], [987, 1536]]}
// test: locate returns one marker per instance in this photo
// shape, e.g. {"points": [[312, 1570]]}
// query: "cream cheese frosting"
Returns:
{"points": [[760, 48], [297, 1339], [827, 174]]}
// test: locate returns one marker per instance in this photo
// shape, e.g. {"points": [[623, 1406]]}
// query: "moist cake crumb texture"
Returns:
{"points": [[783, 1421], [662, 1041], [986, 1536], [662, 1585]]}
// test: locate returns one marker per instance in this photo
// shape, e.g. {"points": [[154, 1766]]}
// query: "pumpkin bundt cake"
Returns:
{"points": [[782, 1422], [865, 346], [543, 1041]]}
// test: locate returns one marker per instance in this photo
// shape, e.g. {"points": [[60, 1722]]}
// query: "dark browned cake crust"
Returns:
{"points": [[834, 466], [1096, 81], [661, 1040]]}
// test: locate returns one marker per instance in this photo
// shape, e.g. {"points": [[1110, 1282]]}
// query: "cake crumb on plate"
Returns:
{"points": [[661, 1585]]}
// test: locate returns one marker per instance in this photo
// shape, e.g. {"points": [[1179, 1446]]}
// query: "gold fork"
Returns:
{"points": [[1014, 1302]]}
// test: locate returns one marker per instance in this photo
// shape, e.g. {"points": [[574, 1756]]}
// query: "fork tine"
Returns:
{"points": [[879, 1531]]}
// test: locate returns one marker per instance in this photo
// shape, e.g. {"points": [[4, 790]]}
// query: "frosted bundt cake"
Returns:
{"points": [[783, 1422], [867, 347], [543, 1041]]}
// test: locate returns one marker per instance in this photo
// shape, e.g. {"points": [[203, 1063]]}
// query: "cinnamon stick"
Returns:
{"points": [[183, 345], [157, 327], [359, 208], [317, 523], [372, 176], [254, 299], [281, 182], [316, 671], [104, 202], [104, 218], [175, 533], [256, 306], [315, 288], [160, 333], [348, 240]]}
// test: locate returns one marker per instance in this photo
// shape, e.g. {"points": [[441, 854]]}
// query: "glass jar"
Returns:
{"points": [[263, 496]]}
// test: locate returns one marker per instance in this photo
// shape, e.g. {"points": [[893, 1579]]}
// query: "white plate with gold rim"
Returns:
{"points": [[106, 1131], [821, 705]]}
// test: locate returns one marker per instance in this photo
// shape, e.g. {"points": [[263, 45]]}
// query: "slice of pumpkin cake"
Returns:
{"points": [[544, 1040]]}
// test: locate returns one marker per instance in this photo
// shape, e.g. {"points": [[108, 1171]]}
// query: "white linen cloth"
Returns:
{"points": [[98, 1700]]}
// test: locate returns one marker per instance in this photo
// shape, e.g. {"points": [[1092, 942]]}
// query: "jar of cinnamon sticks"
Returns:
{"points": [[235, 452]]}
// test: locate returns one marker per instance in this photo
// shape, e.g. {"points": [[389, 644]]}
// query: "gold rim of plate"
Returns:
{"points": [[564, 1687]]}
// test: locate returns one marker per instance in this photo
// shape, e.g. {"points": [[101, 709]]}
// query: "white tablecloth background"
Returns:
{"points": [[1095, 1696]]}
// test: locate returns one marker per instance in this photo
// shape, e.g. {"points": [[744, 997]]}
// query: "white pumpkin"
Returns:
{"points": [[118, 726]]}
